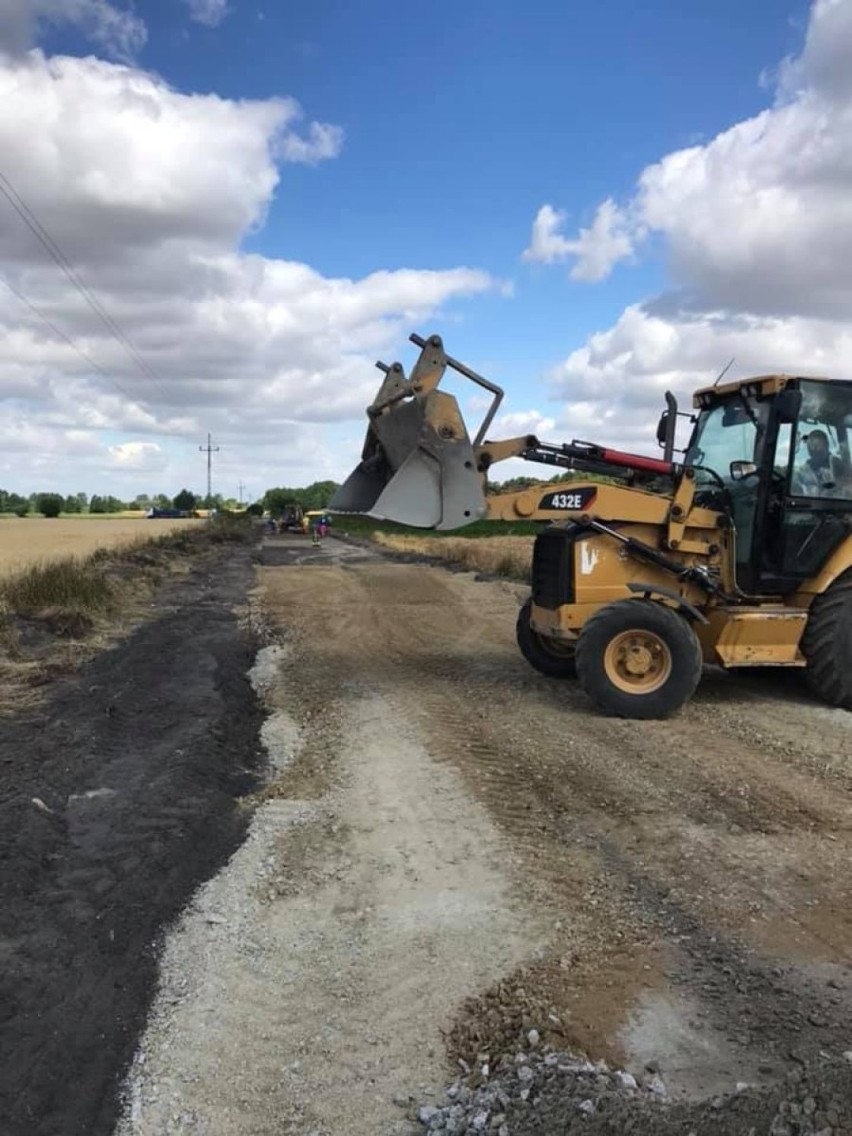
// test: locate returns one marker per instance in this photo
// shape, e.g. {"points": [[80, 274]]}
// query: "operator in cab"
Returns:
{"points": [[822, 474]]}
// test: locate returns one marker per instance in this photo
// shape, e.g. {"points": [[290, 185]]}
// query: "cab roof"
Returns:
{"points": [[758, 384]]}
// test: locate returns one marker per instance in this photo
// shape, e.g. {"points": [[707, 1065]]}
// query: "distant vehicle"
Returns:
{"points": [[157, 514], [291, 519]]}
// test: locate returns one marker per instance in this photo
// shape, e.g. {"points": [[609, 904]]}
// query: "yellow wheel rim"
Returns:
{"points": [[638, 662]]}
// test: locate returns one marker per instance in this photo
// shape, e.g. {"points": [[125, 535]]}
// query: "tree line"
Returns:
{"points": [[56, 504], [317, 495]]}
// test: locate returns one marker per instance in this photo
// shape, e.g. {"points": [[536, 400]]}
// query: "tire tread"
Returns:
{"points": [[828, 629]]}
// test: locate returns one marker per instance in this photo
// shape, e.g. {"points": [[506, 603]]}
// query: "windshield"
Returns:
{"points": [[731, 431]]}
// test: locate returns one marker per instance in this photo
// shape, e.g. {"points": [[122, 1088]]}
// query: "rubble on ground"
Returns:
{"points": [[552, 1093]]}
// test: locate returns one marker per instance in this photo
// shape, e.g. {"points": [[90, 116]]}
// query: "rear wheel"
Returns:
{"points": [[638, 659], [551, 657], [827, 644]]}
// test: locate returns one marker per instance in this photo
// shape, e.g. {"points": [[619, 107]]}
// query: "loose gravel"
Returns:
{"points": [[558, 1094]]}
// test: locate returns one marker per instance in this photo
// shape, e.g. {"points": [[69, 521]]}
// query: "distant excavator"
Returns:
{"points": [[739, 554]]}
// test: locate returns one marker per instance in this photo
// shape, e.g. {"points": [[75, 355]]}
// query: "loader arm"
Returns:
{"points": [[420, 467]]}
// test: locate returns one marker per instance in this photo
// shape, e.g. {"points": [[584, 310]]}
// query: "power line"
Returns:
{"points": [[54, 250], [59, 332]]}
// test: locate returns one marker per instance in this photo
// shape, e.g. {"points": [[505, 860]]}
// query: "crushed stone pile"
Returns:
{"points": [[553, 1093]]}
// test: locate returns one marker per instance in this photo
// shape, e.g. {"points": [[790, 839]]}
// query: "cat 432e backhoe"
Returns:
{"points": [[738, 555]]}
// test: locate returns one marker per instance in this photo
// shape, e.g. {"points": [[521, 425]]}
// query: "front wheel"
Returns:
{"points": [[638, 659], [827, 644], [551, 657]]}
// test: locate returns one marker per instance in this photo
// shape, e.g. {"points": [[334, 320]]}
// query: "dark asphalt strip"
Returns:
{"points": [[138, 761]]}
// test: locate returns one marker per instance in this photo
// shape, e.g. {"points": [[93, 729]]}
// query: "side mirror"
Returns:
{"points": [[742, 469], [663, 428], [788, 404]]}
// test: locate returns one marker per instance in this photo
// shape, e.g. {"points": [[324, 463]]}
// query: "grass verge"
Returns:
{"points": [[56, 613], [71, 585]]}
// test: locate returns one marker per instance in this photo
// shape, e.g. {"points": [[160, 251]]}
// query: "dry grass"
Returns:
{"points": [[509, 556], [69, 584], [57, 611], [28, 540]]}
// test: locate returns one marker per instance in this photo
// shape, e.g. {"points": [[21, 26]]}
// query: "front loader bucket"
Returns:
{"points": [[418, 468], [418, 465]]}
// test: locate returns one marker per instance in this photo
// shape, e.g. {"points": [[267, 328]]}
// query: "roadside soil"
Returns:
{"points": [[117, 796], [452, 850]]}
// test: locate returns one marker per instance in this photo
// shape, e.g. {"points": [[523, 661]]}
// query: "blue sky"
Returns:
{"points": [[460, 119], [459, 122]]}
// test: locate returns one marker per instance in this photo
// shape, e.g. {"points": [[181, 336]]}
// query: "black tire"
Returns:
{"points": [[827, 644], [635, 634], [548, 656]]}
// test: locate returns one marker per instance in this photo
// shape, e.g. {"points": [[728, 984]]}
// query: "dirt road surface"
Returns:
{"points": [[290, 860], [454, 851]]}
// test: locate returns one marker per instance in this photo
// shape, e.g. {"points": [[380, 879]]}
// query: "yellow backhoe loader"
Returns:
{"points": [[738, 555]]}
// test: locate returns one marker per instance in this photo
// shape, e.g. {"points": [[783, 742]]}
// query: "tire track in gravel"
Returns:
{"points": [[686, 841], [308, 983]]}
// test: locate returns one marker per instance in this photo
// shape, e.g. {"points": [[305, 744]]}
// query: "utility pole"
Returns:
{"points": [[210, 451], [242, 487]]}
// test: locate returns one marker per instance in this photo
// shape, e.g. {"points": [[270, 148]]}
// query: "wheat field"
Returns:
{"points": [[24, 540]]}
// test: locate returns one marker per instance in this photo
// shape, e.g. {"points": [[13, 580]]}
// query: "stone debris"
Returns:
{"points": [[517, 1081], [550, 1092]]}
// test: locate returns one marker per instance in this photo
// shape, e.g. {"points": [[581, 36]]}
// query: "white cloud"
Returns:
{"points": [[518, 422], [150, 192], [759, 215], [596, 250], [118, 31], [208, 12], [323, 141], [757, 228], [145, 457], [111, 158]]}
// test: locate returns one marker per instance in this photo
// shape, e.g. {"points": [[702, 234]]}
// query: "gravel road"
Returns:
{"points": [[458, 871]]}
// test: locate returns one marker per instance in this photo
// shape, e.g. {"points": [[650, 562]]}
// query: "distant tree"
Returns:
{"points": [[140, 501], [185, 500], [49, 504], [108, 504], [277, 500], [161, 501], [318, 494], [14, 503], [314, 496], [83, 501], [71, 504], [255, 509]]}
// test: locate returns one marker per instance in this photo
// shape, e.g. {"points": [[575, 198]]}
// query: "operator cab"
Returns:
{"points": [[774, 453]]}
